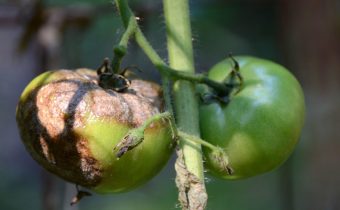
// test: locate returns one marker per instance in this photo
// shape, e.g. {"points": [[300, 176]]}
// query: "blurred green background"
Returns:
{"points": [[302, 35]]}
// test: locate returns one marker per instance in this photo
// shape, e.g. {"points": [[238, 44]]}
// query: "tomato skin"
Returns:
{"points": [[261, 125], [70, 126]]}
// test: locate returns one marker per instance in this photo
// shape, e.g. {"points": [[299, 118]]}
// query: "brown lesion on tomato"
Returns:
{"points": [[150, 91], [49, 116], [47, 119], [46, 151], [47, 129]]}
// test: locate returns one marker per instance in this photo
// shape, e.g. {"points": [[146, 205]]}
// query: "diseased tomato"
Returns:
{"points": [[260, 125], [70, 126]]}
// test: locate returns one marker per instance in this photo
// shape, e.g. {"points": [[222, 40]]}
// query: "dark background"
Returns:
{"points": [[303, 35]]}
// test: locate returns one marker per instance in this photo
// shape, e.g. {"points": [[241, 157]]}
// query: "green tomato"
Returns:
{"points": [[260, 126], [70, 126]]}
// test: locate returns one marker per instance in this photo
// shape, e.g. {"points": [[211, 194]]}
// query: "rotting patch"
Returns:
{"points": [[192, 194], [49, 116]]}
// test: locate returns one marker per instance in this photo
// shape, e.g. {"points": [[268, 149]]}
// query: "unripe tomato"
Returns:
{"points": [[70, 126], [260, 126]]}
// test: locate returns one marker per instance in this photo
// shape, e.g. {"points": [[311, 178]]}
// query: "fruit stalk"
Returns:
{"points": [[120, 50]]}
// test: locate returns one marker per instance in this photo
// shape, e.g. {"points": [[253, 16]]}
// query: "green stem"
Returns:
{"points": [[168, 104], [197, 140], [120, 50], [127, 15], [181, 57], [154, 118], [192, 194], [197, 78], [130, 30]]}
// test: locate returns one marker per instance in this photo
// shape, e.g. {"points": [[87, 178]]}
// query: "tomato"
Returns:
{"points": [[70, 126], [261, 124]]}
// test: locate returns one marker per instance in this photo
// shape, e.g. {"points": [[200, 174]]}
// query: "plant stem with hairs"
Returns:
{"points": [[180, 54]]}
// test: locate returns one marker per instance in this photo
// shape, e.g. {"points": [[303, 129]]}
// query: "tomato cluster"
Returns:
{"points": [[70, 124]]}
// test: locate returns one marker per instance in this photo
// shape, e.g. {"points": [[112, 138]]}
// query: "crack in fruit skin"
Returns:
{"points": [[69, 125]]}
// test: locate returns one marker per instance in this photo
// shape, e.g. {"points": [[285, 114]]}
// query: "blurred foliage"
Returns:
{"points": [[68, 2], [89, 47], [240, 27]]}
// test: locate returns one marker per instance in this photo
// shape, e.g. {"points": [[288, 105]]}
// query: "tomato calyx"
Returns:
{"points": [[233, 83], [234, 80], [110, 80]]}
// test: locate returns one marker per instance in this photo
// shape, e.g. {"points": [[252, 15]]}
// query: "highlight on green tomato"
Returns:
{"points": [[260, 125], [70, 125]]}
